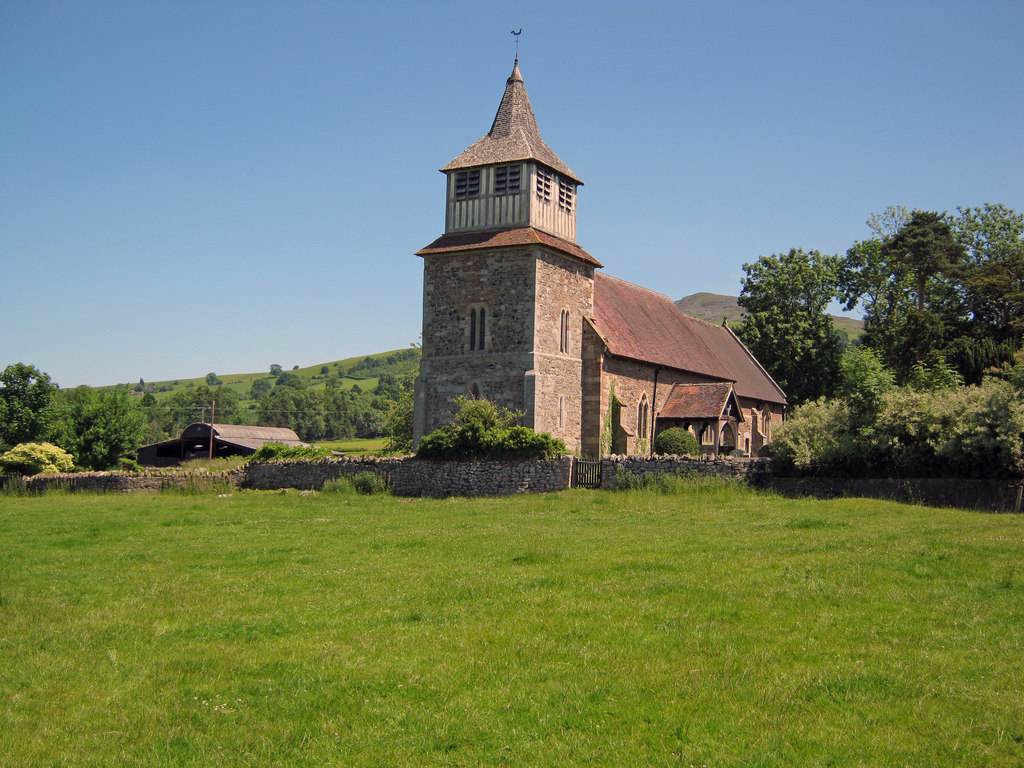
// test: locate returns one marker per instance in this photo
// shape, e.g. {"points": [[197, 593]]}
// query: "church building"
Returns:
{"points": [[514, 311]]}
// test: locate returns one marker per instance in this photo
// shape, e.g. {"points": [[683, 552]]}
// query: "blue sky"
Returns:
{"points": [[189, 187]]}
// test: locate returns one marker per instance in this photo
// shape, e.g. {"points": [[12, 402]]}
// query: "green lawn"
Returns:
{"points": [[718, 628], [355, 446]]}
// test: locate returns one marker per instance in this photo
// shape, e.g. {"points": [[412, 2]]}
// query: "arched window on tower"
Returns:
{"points": [[563, 332]]}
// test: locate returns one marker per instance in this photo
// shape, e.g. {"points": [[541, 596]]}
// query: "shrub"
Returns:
{"points": [[646, 481], [482, 431], [128, 465], [278, 451], [370, 483], [676, 442], [811, 435], [975, 431], [339, 485], [35, 459]]}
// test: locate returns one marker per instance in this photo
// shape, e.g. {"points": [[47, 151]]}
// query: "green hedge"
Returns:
{"points": [[277, 451], [973, 431]]}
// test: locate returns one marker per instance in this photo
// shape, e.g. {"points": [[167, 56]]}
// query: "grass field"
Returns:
{"points": [[356, 446], [718, 628]]}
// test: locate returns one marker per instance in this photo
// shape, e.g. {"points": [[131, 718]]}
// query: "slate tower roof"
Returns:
{"points": [[513, 136]]}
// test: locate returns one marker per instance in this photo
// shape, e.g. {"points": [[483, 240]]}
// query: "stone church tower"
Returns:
{"points": [[506, 289]]}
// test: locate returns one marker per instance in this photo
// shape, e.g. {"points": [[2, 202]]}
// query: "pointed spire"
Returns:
{"points": [[515, 112], [514, 134]]}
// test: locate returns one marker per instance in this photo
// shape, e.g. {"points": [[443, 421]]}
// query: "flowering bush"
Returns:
{"points": [[35, 459]]}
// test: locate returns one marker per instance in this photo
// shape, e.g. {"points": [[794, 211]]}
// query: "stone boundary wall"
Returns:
{"points": [[312, 474], [757, 472], [983, 495], [128, 482], [414, 477]]}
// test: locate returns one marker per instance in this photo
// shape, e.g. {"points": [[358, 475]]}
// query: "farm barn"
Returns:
{"points": [[228, 440]]}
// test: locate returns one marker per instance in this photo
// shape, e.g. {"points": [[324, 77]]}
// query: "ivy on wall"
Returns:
{"points": [[611, 420]]}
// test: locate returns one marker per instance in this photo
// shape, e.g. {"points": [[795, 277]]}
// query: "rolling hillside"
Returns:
{"points": [[363, 372], [713, 307]]}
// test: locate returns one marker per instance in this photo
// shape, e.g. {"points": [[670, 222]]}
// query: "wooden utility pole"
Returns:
{"points": [[213, 410]]}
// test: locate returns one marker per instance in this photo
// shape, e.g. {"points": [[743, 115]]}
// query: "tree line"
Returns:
{"points": [[935, 384], [101, 426], [935, 289]]}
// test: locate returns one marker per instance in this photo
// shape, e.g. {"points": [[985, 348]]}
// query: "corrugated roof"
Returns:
{"points": [[498, 238], [513, 136], [696, 401], [237, 432]]}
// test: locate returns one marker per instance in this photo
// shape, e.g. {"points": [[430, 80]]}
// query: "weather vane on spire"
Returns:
{"points": [[517, 34]]}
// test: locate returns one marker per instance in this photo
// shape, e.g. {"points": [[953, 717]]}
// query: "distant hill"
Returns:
{"points": [[363, 372], [714, 307]]}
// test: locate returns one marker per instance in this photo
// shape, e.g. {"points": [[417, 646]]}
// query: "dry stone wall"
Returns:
{"points": [[414, 477], [128, 482], [485, 478]]}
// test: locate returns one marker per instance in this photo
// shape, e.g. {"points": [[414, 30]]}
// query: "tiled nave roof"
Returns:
{"points": [[644, 325]]}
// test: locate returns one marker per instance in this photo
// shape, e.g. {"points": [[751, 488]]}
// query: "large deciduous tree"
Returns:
{"points": [[100, 426], [788, 327], [27, 409]]}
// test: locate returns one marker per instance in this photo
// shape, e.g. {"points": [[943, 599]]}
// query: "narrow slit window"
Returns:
{"points": [[563, 332], [476, 318]]}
